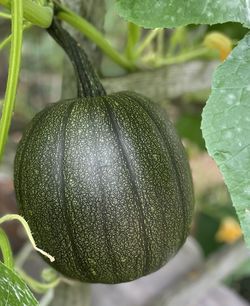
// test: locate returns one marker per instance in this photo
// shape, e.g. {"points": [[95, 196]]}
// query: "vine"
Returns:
{"points": [[37, 286]]}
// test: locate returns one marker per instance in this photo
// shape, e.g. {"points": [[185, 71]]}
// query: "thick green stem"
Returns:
{"points": [[92, 33], [36, 14], [89, 84], [13, 73], [6, 250]]}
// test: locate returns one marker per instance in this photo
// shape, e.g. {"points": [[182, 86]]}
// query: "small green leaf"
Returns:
{"points": [[6, 250], [226, 128], [13, 291], [173, 13]]}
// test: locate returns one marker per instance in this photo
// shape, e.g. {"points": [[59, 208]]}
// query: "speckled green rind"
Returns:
{"points": [[105, 186]]}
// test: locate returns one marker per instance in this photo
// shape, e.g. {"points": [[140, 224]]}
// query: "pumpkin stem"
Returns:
{"points": [[88, 83]]}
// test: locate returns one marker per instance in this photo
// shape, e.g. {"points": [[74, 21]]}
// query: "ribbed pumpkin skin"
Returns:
{"points": [[105, 186]]}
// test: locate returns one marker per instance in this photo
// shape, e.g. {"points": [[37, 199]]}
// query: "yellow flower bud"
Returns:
{"points": [[220, 42], [229, 231]]}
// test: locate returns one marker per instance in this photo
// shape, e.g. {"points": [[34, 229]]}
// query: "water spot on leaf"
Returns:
{"points": [[228, 134]]}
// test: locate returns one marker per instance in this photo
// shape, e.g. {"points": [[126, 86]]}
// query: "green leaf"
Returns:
{"points": [[226, 128], [173, 13], [13, 291]]}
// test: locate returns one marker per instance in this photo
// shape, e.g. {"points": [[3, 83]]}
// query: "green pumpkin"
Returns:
{"points": [[104, 184]]}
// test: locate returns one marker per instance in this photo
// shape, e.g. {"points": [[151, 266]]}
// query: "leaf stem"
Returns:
{"points": [[184, 57], [160, 43], [11, 217], [92, 33], [13, 73], [5, 42], [133, 36], [5, 15], [6, 250], [177, 39], [33, 12], [152, 34]]}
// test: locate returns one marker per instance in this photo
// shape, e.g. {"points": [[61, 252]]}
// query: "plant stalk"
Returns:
{"points": [[13, 73], [184, 57], [88, 82]]}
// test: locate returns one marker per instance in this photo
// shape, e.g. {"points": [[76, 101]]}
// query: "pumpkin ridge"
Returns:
{"points": [[127, 99], [40, 116], [132, 176], [140, 102], [62, 198]]}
